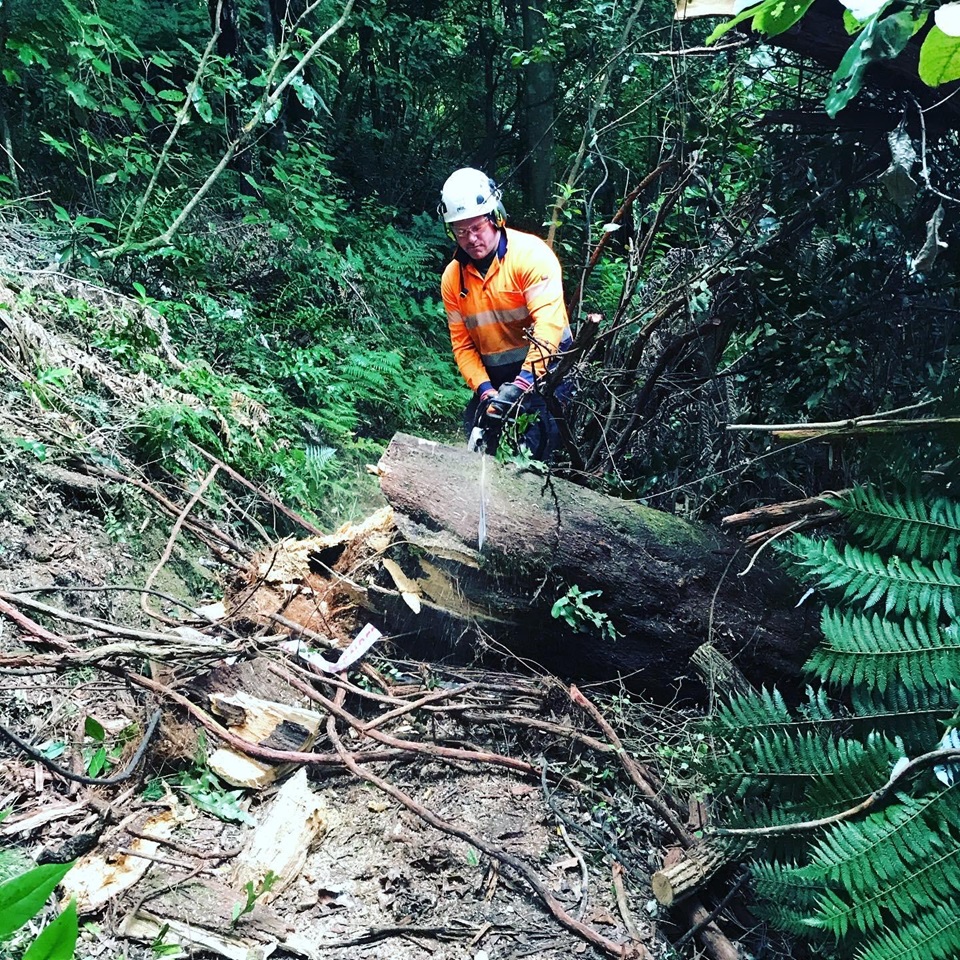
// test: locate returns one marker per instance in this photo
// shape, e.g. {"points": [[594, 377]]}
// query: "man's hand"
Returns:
{"points": [[507, 400]]}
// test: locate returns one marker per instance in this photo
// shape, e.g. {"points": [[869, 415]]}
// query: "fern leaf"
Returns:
{"points": [[875, 652], [927, 527], [906, 586], [932, 936], [859, 856]]}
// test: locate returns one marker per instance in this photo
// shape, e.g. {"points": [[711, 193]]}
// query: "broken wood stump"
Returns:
{"points": [[696, 867]]}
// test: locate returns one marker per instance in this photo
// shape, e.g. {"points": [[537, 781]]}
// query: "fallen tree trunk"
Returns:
{"points": [[666, 585]]}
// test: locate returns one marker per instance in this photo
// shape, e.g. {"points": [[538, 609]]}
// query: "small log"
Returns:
{"points": [[694, 870], [264, 722], [719, 671]]}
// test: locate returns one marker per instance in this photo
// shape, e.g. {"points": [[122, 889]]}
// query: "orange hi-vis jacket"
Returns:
{"points": [[513, 319]]}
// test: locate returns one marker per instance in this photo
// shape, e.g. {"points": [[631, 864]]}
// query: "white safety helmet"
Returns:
{"points": [[470, 193]]}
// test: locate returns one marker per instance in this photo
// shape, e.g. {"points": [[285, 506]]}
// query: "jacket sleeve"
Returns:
{"points": [[465, 352], [542, 284]]}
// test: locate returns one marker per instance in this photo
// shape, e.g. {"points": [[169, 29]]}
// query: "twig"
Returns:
{"points": [[578, 856], [34, 629], [881, 793], [255, 749], [571, 733], [416, 705], [184, 848], [100, 626], [621, 894], [431, 749], [168, 550], [260, 492], [702, 922], [782, 531], [125, 774], [640, 777], [198, 527], [781, 511]]}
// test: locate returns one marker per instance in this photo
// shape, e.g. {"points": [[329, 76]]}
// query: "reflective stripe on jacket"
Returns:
{"points": [[490, 316]]}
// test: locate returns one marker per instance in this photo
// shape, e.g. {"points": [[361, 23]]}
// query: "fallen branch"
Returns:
{"points": [[640, 776], [260, 492], [786, 511], [168, 549], [429, 749], [33, 629]]}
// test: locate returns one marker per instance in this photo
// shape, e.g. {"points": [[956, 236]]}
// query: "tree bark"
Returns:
{"points": [[536, 132], [666, 585]]}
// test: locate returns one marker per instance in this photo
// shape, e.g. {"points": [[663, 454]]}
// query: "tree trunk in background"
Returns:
{"points": [[667, 585], [228, 46], [536, 127]]}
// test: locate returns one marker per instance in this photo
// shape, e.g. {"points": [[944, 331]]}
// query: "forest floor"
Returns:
{"points": [[376, 855]]}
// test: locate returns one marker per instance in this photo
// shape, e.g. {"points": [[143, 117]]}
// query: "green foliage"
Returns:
{"points": [[253, 894], [23, 896], [882, 35], [883, 884], [207, 793], [939, 58], [575, 610]]}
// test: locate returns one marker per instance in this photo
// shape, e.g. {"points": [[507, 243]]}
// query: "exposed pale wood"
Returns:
{"points": [[200, 914], [106, 872], [296, 820], [789, 510], [719, 671], [267, 723], [25, 822], [694, 869]]}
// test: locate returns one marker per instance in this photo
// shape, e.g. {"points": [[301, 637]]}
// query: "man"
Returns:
{"points": [[503, 293]]}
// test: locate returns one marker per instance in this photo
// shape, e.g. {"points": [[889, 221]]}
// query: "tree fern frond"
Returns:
{"points": [[897, 898], [876, 652], [862, 855], [928, 527], [788, 894], [914, 717], [933, 936], [743, 715], [906, 586], [832, 772]]}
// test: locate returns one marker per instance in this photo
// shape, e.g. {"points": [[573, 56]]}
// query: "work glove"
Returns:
{"points": [[508, 398]]}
